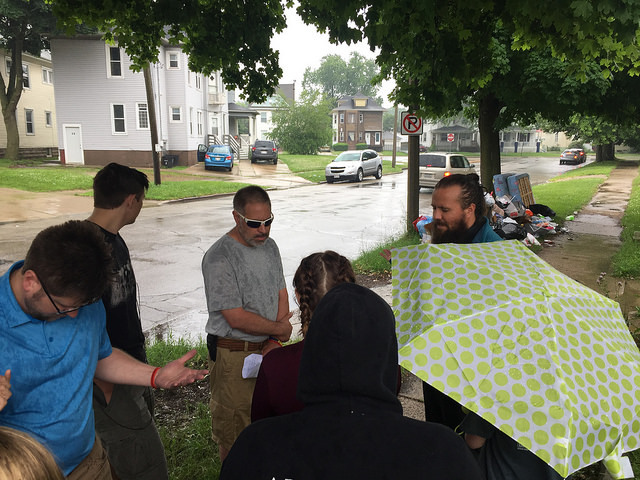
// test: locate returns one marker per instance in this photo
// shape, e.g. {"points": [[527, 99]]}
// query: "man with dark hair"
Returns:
{"points": [[248, 310], [53, 342], [459, 211], [124, 413], [459, 216]]}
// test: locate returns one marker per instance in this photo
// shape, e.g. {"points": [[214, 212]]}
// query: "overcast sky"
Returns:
{"points": [[301, 46]]}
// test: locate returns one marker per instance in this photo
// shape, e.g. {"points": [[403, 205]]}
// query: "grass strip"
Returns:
{"points": [[626, 262]]}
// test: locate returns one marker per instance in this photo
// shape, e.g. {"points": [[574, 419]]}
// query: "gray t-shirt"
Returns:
{"points": [[239, 276]]}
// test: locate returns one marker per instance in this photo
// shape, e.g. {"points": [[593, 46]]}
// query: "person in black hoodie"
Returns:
{"points": [[352, 424]]}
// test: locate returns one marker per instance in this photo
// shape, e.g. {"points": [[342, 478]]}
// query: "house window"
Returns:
{"points": [[342, 118], [263, 117], [174, 62], [352, 118], [190, 120], [377, 138], [119, 126], [361, 117], [524, 137], [335, 119], [28, 118], [200, 122], [352, 136], [47, 76], [556, 137], [143, 116], [198, 81], [214, 125], [26, 83], [48, 119], [115, 62], [359, 136], [176, 114], [342, 135]]}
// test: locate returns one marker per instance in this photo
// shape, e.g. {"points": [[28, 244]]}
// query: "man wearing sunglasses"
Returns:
{"points": [[248, 310], [53, 342], [124, 413]]}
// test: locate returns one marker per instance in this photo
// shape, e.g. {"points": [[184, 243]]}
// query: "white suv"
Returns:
{"points": [[354, 165], [437, 165]]}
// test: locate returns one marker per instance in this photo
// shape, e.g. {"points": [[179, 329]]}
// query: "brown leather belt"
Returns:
{"points": [[239, 345]]}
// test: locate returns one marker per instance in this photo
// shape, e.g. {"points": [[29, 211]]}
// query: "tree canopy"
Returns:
{"points": [[337, 78], [445, 54], [231, 37], [304, 127]]}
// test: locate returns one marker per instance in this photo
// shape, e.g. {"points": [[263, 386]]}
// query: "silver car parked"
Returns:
{"points": [[354, 165], [437, 165]]}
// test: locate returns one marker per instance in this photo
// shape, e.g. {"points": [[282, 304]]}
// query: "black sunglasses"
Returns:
{"points": [[66, 310], [256, 223]]}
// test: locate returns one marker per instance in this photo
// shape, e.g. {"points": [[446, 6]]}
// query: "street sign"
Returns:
{"points": [[411, 124], [450, 137]]}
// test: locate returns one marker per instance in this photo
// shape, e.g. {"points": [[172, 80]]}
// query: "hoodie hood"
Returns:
{"points": [[350, 355]]}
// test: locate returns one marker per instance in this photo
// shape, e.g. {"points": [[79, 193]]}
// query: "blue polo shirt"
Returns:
{"points": [[52, 367]]}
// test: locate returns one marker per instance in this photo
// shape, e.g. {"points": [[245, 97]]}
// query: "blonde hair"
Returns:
{"points": [[317, 274], [22, 457]]}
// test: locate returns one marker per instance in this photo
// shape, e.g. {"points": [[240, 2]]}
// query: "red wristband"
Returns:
{"points": [[153, 377]]}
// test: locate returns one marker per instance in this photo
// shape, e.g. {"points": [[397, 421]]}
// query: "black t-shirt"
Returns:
{"points": [[120, 302]]}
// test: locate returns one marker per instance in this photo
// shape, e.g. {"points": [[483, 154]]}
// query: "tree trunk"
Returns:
{"points": [[489, 109], [10, 96], [605, 153], [13, 137]]}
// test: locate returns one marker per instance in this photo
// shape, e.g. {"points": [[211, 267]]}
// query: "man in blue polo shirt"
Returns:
{"points": [[53, 341]]}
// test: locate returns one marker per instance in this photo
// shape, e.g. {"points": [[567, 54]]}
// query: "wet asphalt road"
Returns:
{"points": [[168, 241]]}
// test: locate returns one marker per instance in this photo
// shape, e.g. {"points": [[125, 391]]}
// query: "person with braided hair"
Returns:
{"points": [[275, 391]]}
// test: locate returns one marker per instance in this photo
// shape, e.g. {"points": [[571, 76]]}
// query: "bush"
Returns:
{"points": [[339, 147], [553, 149], [576, 144], [361, 146]]}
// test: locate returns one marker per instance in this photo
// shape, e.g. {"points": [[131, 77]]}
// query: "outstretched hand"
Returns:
{"points": [[5, 388], [175, 374]]}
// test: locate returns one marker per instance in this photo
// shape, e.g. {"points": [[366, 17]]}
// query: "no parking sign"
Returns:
{"points": [[411, 124]]}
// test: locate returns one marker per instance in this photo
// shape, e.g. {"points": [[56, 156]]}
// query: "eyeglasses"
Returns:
{"points": [[256, 223], [66, 310]]}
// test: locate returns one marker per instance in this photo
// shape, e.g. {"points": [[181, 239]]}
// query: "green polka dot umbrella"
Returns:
{"points": [[540, 356]]}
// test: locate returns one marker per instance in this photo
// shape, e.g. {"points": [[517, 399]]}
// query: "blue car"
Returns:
{"points": [[218, 156]]}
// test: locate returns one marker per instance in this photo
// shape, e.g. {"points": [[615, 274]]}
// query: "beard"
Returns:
{"points": [[448, 233]]}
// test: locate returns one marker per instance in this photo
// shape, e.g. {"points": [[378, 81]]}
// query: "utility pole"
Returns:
{"points": [[153, 124], [395, 136]]}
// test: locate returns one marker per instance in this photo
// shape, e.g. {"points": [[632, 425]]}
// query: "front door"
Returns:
{"points": [[73, 153]]}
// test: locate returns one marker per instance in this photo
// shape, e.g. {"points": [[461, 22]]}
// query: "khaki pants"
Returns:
{"points": [[95, 466], [230, 396]]}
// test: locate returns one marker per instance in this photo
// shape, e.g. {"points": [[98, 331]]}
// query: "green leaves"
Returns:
{"points": [[225, 35]]}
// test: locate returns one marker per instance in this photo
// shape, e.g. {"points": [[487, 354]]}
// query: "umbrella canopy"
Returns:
{"points": [[540, 356]]}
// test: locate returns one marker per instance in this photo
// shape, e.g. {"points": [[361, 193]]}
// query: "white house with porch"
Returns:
{"points": [[102, 109]]}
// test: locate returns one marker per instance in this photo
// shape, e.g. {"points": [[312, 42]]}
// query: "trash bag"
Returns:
{"points": [[511, 231], [539, 209]]}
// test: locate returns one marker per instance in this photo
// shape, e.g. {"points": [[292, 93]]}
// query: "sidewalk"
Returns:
{"points": [[22, 206]]}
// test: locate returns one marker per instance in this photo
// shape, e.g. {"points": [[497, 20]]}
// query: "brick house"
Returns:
{"points": [[358, 120]]}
